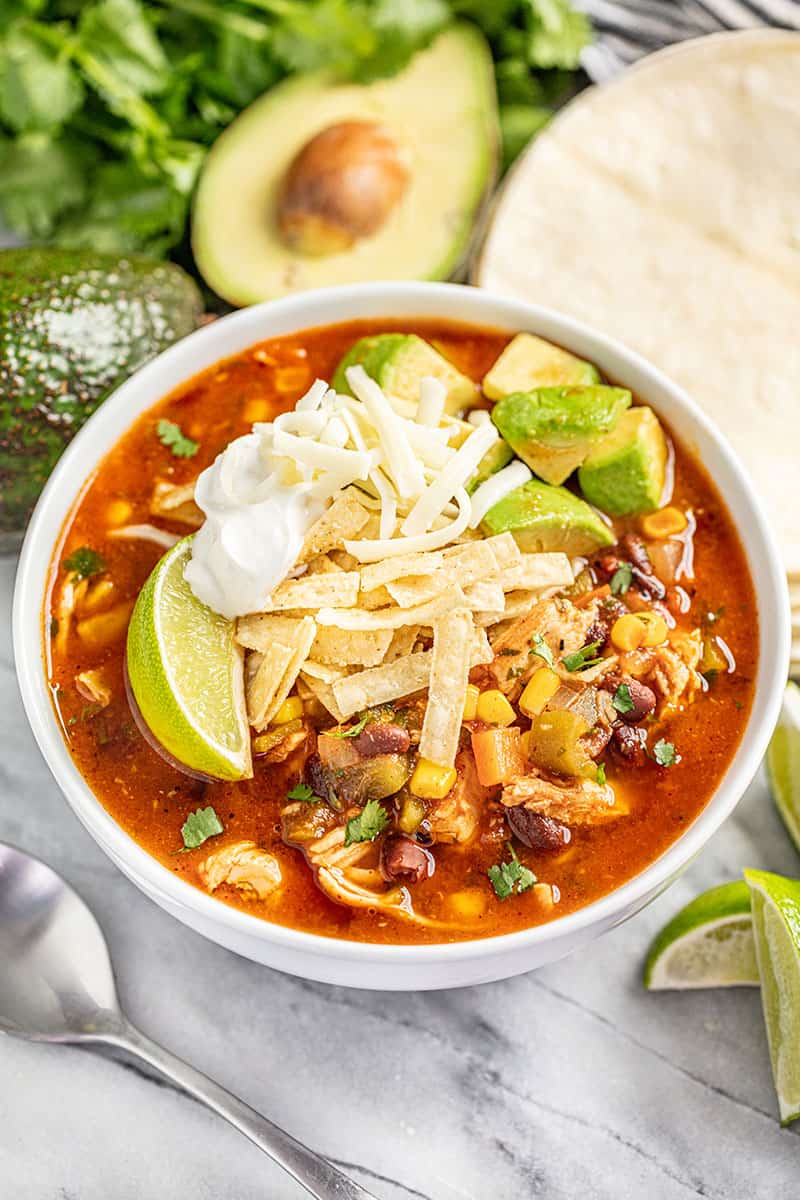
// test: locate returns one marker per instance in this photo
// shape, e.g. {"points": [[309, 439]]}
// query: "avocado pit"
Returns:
{"points": [[340, 187]]}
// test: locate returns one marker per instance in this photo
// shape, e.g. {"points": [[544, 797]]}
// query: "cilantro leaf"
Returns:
{"points": [[199, 826], [664, 754], [172, 436], [354, 730], [84, 562], [510, 878], [303, 793], [557, 34], [601, 773], [587, 656], [39, 87], [621, 579], [371, 821], [623, 701], [119, 36], [40, 179], [541, 649]]}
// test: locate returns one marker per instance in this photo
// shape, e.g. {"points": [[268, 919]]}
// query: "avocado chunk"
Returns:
{"points": [[73, 326], [496, 457], [399, 362], [325, 181], [542, 517], [624, 474], [529, 362], [552, 429]]}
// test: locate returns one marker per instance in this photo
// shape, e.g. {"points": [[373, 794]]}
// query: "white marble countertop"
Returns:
{"points": [[569, 1082]]}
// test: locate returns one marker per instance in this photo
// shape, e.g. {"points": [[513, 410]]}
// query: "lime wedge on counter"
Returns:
{"points": [[708, 944], [186, 674], [783, 763], [776, 924]]}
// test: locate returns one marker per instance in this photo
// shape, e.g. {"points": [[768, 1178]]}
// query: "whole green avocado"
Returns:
{"points": [[73, 326]]}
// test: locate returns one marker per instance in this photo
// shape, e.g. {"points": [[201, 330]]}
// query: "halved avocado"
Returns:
{"points": [[321, 182]]}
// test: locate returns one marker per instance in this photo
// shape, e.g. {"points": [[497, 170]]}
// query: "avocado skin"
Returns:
{"points": [[73, 326], [543, 517]]}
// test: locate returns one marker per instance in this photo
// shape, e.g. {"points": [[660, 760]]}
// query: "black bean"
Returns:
{"points": [[537, 831], [642, 697], [634, 551], [382, 738], [404, 861], [628, 742]]}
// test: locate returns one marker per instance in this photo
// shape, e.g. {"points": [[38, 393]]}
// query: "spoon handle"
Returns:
{"points": [[315, 1173]]}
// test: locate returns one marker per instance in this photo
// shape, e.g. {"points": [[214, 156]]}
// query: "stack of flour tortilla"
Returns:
{"points": [[664, 209]]}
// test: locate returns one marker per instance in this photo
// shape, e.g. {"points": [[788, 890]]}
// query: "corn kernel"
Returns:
{"points": [[256, 410], [541, 688], [118, 512], [628, 632], [494, 709], [471, 703], [430, 781], [655, 628], [469, 904], [524, 743], [667, 522], [290, 710]]}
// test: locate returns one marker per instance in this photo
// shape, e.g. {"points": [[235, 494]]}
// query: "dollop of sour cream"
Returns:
{"points": [[253, 532]]}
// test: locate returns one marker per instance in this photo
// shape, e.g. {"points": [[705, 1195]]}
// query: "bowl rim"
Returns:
{"points": [[449, 302]]}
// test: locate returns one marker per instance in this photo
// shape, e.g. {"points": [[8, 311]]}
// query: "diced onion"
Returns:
{"points": [[495, 488]]}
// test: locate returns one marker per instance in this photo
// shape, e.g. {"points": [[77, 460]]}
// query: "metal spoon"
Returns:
{"points": [[57, 985]]}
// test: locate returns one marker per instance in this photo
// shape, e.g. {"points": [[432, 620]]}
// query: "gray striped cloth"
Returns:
{"points": [[627, 30]]}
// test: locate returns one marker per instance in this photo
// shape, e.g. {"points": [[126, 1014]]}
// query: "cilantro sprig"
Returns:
{"points": [[586, 657], [622, 699], [371, 821], [510, 878], [304, 793], [354, 730], [84, 562], [540, 648], [621, 579], [665, 754], [173, 437], [199, 826]]}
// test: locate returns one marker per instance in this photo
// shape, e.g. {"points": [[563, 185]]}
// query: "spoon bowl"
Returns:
{"points": [[56, 981]]}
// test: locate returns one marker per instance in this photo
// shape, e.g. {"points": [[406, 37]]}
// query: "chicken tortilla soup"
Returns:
{"points": [[402, 632]]}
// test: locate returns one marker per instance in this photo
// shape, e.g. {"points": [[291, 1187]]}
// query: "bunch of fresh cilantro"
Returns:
{"points": [[107, 108]]}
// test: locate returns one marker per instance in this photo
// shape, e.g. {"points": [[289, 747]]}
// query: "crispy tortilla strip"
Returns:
{"points": [[505, 550], [345, 648], [381, 684], [346, 517], [259, 631], [175, 501], [264, 675], [324, 693], [380, 573], [537, 571], [486, 594], [416, 589], [517, 605], [453, 638], [301, 647], [376, 598], [322, 671], [315, 591], [402, 643], [343, 560], [401, 677], [323, 564], [392, 618]]}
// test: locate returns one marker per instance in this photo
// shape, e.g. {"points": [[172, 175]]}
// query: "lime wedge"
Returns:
{"points": [[708, 944], [783, 763], [186, 673], [776, 924]]}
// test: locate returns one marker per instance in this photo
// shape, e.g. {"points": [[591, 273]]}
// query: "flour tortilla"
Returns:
{"points": [[663, 210]]}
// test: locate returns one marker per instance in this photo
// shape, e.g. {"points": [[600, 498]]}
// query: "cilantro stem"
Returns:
{"points": [[246, 27]]}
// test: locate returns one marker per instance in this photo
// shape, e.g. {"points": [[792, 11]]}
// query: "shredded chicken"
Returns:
{"points": [[245, 866], [673, 674], [175, 501], [455, 818], [93, 687], [571, 801], [561, 625]]}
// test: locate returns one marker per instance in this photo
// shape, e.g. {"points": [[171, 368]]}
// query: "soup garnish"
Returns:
{"points": [[401, 675]]}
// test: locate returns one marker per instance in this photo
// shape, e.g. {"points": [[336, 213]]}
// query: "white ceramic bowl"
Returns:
{"points": [[353, 963]]}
